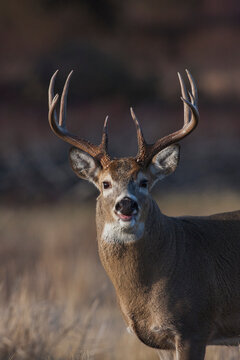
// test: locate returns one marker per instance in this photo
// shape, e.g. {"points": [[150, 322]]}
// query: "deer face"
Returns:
{"points": [[125, 185]]}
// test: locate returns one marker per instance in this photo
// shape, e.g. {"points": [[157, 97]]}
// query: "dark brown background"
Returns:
{"points": [[123, 54]]}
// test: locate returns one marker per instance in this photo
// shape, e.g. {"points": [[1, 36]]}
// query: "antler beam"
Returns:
{"points": [[191, 117], [99, 152]]}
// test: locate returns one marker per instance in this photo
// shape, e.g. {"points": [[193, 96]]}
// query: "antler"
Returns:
{"points": [[99, 152], [191, 117]]}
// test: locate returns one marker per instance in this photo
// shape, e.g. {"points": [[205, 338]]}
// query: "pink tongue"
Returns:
{"points": [[125, 217]]}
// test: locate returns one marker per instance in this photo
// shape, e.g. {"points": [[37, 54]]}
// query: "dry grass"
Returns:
{"points": [[56, 301]]}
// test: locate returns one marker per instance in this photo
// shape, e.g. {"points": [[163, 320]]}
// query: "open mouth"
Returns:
{"points": [[125, 217]]}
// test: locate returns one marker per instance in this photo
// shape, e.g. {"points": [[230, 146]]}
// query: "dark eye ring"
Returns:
{"points": [[106, 184], [143, 183]]}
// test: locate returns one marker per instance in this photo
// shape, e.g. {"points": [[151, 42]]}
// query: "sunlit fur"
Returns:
{"points": [[177, 279], [125, 177]]}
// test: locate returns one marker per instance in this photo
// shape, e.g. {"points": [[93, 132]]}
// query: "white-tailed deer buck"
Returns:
{"points": [[177, 279]]}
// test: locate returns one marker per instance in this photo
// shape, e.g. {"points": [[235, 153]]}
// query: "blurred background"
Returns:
{"points": [[123, 54], [56, 302]]}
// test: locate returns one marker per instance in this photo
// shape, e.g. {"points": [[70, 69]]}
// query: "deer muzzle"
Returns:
{"points": [[126, 208]]}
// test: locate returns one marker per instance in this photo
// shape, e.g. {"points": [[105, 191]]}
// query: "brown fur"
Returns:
{"points": [[178, 284]]}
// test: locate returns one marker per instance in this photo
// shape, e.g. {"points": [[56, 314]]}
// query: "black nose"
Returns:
{"points": [[126, 206]]}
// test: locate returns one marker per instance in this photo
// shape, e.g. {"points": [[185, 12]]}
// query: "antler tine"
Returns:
{"points": [[190, 123], [99, 152], [142, 145], [193, 87], [51, 92], [191, 98], [63, 103], [185, 96], [195, 118], [104, 142]]}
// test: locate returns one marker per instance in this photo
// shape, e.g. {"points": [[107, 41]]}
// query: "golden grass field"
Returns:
{"points": [[55, 300]]}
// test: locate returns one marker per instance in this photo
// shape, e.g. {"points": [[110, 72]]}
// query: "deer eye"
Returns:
{"points": [[106, 184], [143, 183]]}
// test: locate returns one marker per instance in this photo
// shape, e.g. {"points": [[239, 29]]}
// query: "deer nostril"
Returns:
{"points": [[118, 206], [126, 206]]}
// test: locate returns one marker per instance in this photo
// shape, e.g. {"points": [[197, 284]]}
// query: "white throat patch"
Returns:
{"points": [[118, 232]]}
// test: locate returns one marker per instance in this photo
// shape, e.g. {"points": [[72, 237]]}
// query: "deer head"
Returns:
{"points": [[124, 184]]}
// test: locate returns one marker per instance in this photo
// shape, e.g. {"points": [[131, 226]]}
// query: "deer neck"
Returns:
{"points": [[130, 264]]}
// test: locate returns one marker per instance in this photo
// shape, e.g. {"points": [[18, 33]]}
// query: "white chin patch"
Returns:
{"points": [[127, 224], [121, 231]]}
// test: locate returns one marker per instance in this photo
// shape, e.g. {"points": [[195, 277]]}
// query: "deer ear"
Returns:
{"points": [[165, 162], [84, 165]]}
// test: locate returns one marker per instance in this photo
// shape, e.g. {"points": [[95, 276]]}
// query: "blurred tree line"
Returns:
{"points": [[123, 53]]}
